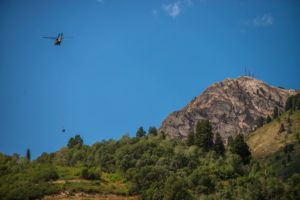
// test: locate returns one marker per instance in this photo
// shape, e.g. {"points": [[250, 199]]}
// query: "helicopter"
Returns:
{"points": [[57, 39]]}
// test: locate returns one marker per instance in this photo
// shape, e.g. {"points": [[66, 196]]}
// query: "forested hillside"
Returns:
{"points": [[153, 166]]}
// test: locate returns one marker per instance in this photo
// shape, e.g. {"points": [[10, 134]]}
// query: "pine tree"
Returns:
{"points": [[269, 119], [230, 141], [76, 141], [190, 139], [298, 137], [281, 128], [288, 120], [240, 147], [204, 136], [219, 145], [163, 135], [260, 121], [283, 162], [152, 130], [288, 148], [28, 155], [275, 113], [140, 132], [293, 102]]}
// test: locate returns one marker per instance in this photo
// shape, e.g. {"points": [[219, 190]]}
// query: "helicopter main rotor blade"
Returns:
{"points": [[49, 37]]}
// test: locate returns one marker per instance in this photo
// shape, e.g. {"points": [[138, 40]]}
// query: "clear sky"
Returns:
{"points": [[130, 63]]}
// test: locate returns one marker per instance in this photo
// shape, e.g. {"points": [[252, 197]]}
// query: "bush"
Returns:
{"points": [[176, 189], [281, 128], [293, 103], [26, 181], [90, 174], [24, 189], [201, 182], [44, 173]]}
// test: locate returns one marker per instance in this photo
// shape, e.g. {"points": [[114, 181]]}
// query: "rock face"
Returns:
{"points": [[232, 106]]}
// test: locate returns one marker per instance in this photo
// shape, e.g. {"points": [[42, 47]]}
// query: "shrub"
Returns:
{"points": [[281, 128], [90, 174], [176, 189], [44, 173]]}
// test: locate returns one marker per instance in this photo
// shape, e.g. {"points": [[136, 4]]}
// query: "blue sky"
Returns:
{"points": [[130, 63]]}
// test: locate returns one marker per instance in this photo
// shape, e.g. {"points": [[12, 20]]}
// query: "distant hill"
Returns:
{"points": [[233, 106]]}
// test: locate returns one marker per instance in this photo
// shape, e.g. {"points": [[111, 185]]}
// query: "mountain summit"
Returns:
{"points": [[233, 106]]}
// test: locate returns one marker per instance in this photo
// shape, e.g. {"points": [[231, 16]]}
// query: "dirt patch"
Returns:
{"points": [[70, 181], [84, 196]]}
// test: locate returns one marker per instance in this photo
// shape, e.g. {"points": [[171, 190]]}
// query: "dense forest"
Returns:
{"points": [[153, 166]]}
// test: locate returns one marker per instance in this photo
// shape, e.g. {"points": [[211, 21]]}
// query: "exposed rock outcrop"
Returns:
{"points": [[232, 106]]}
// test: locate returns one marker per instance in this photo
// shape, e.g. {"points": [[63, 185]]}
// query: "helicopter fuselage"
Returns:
{"points": [[58, 40]]}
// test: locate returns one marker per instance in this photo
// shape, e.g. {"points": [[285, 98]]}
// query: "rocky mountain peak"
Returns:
{"points": [[232, 106]]}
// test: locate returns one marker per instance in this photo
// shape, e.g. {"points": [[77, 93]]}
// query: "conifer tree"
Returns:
{"points": [[240, 147], [268, 119], [163, 135], [230, 141], [260, 121], [203, 136], [190, 139], [281, 128], [28, 155], [77, 140], [275, 113], [152, 130], [140, 132], [219, 145], [293, 102]]}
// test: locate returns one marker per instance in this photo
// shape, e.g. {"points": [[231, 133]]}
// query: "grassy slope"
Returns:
{"points": [[267, 144], [110, 185], [266, 141], [282, 166]]}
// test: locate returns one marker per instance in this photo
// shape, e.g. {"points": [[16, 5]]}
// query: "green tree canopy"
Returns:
{"points": [[240, 147], [293, 102], [190, 139], [281, 128], [140, 132], [152, 130], [176, 189], [275, 113], [76, 141], [260, 121], [28, 155], [203, 135], [268, 119], [219, 145]]}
